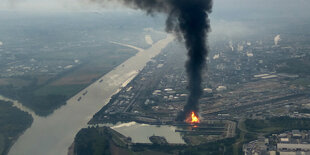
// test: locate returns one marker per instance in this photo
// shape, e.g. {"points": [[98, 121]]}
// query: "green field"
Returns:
{"points": [[43, 97], [298, 66], [2, 143], [67, 90], [278, 124], [305, 82]]}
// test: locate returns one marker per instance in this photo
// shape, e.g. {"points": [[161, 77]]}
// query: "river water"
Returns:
{"points": [[53, 135], [140, 133]]}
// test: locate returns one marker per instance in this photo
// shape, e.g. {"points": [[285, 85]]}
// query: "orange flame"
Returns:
{"points": [[193, 119]]}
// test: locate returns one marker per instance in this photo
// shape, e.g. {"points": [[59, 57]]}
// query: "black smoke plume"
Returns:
{"points": [[188, 19]]}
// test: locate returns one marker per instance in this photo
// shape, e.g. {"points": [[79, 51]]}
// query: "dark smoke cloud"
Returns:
{"points": [[188, 19]]}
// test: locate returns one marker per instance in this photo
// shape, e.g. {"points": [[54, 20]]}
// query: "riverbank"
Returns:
{"points": [[13, 123], [55, 133]]}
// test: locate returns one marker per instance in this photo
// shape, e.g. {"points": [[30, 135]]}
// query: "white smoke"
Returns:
{"points": [[277, 39], [124, 125], [148, 39], [231, 45], [240, 48], [216, 56], [1, 43]]}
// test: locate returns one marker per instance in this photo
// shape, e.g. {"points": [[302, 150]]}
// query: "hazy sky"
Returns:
{"points": [[228, 16], [289, 8], [284, 7]]}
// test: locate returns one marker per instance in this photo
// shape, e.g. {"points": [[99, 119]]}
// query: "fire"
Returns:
{"points": [[193, 119]]}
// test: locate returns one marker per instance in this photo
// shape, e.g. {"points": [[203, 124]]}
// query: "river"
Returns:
{"points": [[140, 133], [53, 135]]}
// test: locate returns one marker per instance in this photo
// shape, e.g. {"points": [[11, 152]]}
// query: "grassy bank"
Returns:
{"points": [[13, 123]]}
